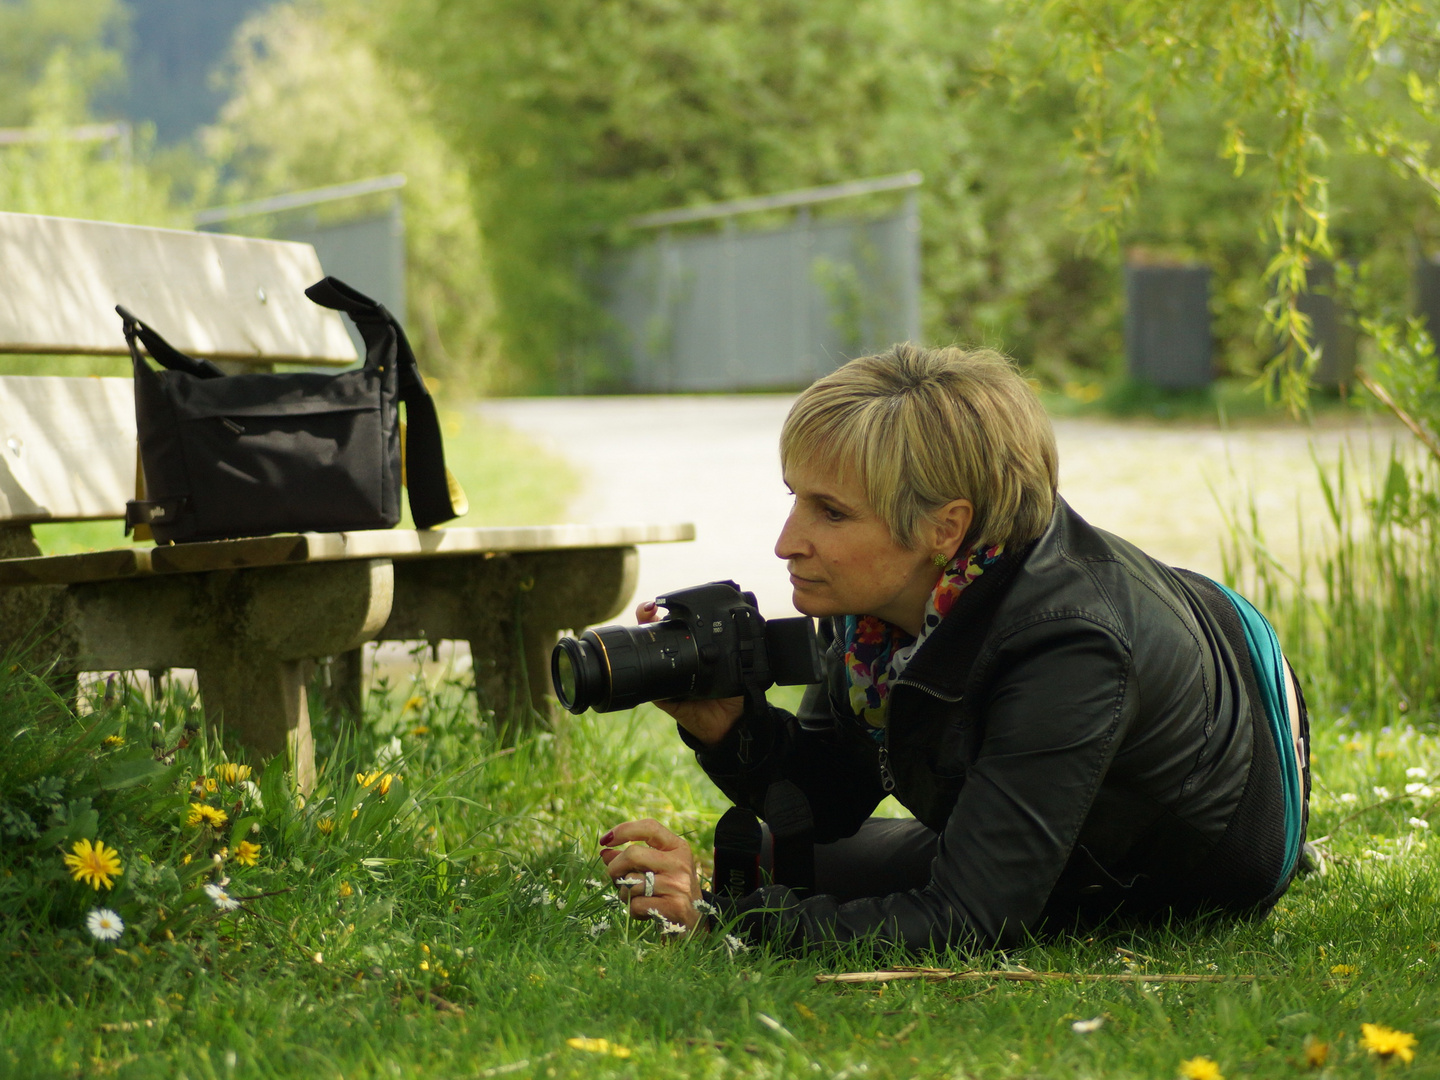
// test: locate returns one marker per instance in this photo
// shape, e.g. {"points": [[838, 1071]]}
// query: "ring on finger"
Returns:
{"points": [[649, 882]]}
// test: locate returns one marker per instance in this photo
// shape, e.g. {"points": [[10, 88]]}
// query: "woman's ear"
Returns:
{"points": [[951, 522]]}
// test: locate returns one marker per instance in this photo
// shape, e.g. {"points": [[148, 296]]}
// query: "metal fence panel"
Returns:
{"points": [[1167, 325], [368, 253], [761, 309]]}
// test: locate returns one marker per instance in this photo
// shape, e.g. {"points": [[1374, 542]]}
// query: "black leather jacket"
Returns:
{"points": [[1078, 730]]}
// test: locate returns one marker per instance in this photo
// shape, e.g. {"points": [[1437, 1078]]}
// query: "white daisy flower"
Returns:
{"points": [[223, 900], [1416, 771], [1381, 792], [1349, 797], [1418, 823], [104, 924], [734, 945], [1085, 1027]]}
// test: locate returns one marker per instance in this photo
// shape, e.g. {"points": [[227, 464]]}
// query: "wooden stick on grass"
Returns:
{"points": [[946, 975]]}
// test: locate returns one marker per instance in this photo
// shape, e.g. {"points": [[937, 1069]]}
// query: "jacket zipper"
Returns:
{"points": [[887, 778]]}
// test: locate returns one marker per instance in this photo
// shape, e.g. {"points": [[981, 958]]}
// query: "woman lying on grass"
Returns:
{"points": [[1078, 729]]}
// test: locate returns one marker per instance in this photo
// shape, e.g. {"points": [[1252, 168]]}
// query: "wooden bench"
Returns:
{"points": [[251, 616]]}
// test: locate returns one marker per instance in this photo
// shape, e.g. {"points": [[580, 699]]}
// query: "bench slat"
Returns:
{"points": [[397, 544], [222, 297], [405, 543], [67, 448], [86, 566]]}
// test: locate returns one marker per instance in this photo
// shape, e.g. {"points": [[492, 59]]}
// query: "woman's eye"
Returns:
{"points": [[831, 514]]}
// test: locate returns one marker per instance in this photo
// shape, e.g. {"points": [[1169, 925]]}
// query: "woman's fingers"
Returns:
{"points": [[646, 830], [647, 612], [655, 861]]}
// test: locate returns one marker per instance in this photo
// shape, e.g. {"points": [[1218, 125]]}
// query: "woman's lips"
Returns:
{"points": [[798, 581]]}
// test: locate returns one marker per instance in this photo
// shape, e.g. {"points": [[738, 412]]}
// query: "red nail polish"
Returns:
{"points": [[604, 840]]}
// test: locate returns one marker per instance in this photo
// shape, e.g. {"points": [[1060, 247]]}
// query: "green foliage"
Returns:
{"points": [[1320, 98], [33, 31], [573, 117], [105, 180], [1358, 614], [310, 106]]}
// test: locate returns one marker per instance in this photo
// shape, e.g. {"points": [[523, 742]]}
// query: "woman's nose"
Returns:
{"points": [[790, 544]]}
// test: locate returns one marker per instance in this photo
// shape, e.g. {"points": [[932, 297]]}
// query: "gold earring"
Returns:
{"points": [[940, 559]]}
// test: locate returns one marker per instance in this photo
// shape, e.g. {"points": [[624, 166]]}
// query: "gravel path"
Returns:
{"points": [[713, 461]]}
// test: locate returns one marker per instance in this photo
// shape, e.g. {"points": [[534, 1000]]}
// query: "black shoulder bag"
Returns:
{"points": [[227, 456]]}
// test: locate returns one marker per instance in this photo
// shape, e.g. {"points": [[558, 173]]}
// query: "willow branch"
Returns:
{"points": [[1416, 428]]}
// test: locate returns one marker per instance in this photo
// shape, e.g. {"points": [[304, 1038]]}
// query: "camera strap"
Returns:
{"points": [[737, 853], [792, 834]]}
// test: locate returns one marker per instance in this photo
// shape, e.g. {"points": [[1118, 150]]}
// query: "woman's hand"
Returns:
{"points": [[656, 850], [710, 720]]}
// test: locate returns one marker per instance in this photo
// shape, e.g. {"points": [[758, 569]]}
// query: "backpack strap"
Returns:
{"points": [[434, 495]]}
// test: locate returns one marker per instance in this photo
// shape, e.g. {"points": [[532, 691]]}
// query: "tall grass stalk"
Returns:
{"points": [[1359, 612]]}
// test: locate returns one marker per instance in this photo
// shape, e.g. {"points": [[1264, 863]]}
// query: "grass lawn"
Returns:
{"points": [[455, 926]]}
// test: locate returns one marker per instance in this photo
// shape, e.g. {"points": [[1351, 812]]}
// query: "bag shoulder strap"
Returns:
{"points": [[163, 353], [433, 496]]}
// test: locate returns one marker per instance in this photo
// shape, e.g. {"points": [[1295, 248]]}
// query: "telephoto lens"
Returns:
{"points": [[712, 644], [619, 667]]}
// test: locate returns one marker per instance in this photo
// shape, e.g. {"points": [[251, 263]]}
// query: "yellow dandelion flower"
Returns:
{"points": [[1317, 1051], [113, 741], [346, 890], [95, 864], [1386, 1043], [380, 781], [231, 773], [1200, 1068], [200, 814], [246, 853], [419, 729], [1343, 969], [599, 1046], [186, 860], [326, 825], [412, 704]]}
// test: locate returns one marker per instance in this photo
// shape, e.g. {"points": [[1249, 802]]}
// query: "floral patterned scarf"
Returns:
{"points": [[877, 652]]}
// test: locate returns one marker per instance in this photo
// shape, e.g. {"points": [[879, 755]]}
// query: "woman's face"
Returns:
{"points": [[842, 558]]}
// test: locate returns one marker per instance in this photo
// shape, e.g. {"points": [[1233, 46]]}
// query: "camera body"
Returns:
{"points": [[713, 643]]}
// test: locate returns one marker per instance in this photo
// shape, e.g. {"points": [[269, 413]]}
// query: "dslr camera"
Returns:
{"points": [[713, 643]]}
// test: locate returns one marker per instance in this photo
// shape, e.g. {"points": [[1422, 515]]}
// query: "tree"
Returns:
{"points": [[32, 31], [1313, 94], [311, 106]]}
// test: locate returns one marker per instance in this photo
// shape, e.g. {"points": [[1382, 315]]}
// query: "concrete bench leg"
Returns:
{"points": [[264, 703], [249, 634], [338, 688], [510, 608]]}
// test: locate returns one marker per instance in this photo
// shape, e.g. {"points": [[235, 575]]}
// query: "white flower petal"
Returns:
{"points": [[104, 924]]}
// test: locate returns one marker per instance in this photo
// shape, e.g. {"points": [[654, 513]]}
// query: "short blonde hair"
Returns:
{"points": [[922, 427]]}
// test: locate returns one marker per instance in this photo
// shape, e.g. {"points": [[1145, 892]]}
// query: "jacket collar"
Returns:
{"points": [[944, 661]]}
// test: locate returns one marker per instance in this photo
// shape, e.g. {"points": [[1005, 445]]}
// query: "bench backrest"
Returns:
{"points": [[67, 448], [221, 297], [67, 445]]}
